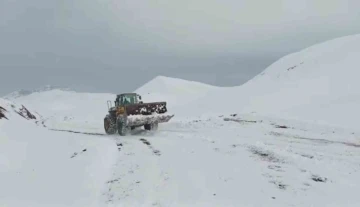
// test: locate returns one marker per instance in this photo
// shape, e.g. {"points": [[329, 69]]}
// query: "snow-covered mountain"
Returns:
{"points": [[25, 92], [259, 144], [176, 92], [318, 84], [66, 109], [8, 108]]}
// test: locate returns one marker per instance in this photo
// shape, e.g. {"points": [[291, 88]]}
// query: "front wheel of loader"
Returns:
{"points": [[109, 126], [121, 127]]}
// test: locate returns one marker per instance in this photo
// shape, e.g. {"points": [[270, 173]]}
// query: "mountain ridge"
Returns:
{"points": [[26, 92]]}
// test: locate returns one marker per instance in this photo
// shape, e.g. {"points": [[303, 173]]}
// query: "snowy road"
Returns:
{"points": [[238, 160], [212, 162]]}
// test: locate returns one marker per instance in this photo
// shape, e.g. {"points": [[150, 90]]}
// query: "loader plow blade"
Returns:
{"points": [[147, 108], [138, 120]]}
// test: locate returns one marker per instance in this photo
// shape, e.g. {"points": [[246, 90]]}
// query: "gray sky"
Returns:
{"points": [[116, 46]]}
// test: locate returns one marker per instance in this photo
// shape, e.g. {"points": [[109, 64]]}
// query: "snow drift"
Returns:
{"points": [[39, 167], [66, 109]]}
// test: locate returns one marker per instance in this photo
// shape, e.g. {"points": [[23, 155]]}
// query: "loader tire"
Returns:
{"points": [[109, 125], [151, 127], [121, 128]]}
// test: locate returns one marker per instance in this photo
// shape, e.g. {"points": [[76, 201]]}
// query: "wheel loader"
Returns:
{"points": [[131, 112]]}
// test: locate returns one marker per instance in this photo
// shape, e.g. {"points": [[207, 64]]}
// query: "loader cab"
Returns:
{"points": [[127, 98]]}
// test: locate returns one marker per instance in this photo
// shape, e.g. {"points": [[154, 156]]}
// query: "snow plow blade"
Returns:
{"points": [[146, 108], [139, 120]]}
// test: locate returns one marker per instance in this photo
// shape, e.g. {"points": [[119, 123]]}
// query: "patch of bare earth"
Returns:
{"points": [[316, 140], [275, 164], [265, 155], [24, 112], [2, 113], [146, 142], [242, 121]]}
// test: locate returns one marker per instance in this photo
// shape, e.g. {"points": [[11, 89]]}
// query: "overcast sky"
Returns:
{"points": [[118, 45]]}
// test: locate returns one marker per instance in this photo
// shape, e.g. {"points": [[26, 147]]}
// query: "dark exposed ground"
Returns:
{"points": [[2, 113], [24, 112], [78, 132]]}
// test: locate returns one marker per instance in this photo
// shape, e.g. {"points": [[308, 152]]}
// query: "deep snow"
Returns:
{"points": [[37, 167], [288, 137]]}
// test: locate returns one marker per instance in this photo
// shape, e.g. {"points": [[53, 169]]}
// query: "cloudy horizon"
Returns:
{"points": [[113, 46]]}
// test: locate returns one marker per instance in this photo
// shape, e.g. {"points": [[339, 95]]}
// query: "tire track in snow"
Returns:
{"points": [[135, 173], [78, 132], [146, 142]]}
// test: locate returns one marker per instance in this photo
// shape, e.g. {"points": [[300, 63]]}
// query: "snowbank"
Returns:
{"points": [[54, 102], [64, 109], [39, 167]]}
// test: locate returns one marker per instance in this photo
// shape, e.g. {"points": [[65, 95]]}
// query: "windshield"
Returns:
{"points": [[128, 99]]}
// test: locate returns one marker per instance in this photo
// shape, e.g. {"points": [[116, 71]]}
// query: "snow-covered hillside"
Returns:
{"points": [[318, 84], [25, 92], [176, 92], [39, 167], [66, 109], [234, 160]]}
